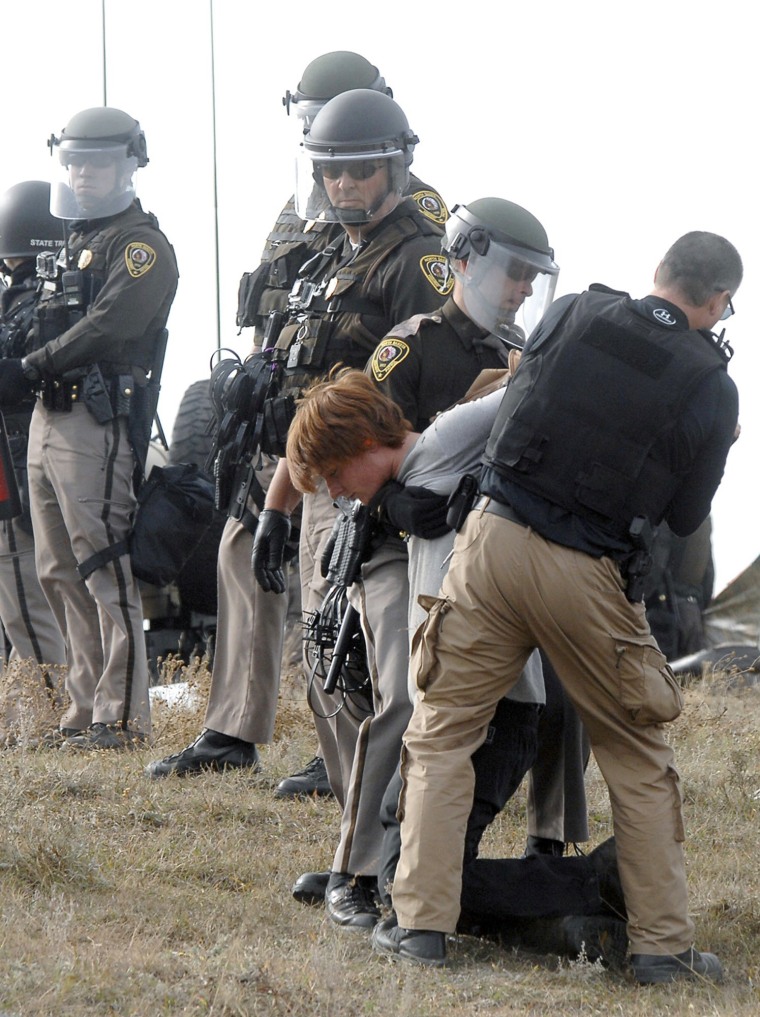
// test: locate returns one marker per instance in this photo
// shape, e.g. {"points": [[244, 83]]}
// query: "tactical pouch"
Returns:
{"points": [[306, 344], [59, 395], [96, 395], [51, 319], [250, 290]]}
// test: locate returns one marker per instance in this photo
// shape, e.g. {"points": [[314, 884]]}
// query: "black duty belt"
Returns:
{"points": [[498, 508]]}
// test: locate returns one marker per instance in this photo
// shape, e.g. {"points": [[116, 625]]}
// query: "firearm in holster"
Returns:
{"points": [[10, 496], [461, 500], [638, 564]]}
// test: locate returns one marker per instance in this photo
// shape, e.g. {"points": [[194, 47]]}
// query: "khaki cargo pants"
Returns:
{"points": [[507, 591]]}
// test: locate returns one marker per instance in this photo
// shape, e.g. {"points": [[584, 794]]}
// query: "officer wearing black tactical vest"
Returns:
{"points": [[621, 414], [99, 342], [26, 229], [386, 265]]}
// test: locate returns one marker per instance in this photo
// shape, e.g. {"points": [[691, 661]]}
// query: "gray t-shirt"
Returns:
{"points": [[450, 447]]}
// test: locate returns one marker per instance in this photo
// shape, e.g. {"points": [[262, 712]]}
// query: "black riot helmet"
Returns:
{"points": [[500, 255], [360, 132], [26, 226], [111, 144], [327, 76]]}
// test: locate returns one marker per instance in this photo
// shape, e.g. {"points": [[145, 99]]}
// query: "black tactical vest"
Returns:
{"points": [[567, 429]]}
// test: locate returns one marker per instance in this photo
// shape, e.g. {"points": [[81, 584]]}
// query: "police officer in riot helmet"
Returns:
{"points": [[250, 622], [500, 254], [26, 229], [327, 76], [503, 275], [263, 294], [98, 336], [358, 152], [99, 152], [386, 267]]}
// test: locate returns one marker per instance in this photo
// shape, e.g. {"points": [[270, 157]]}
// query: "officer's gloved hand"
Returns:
{"points": [[412, 509], [14, 385], [272, 532]]}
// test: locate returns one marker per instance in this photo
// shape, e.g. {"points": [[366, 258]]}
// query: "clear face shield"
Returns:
{"points": [[347, 187], [92, 179], [507, 288], [304, 111]]}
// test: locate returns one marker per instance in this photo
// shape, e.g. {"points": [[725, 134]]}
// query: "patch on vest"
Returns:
{"points": [[435, 268], [387, 356], [140, 258], [432, 206]]}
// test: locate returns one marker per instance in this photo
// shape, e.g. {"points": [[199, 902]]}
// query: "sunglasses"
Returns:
{"points": [[356, 170], [728, 311], [99, 160]]}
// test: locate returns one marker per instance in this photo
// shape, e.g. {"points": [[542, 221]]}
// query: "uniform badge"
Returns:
{"points": [[387, 356], [432, 206], [140, 258], [84, 259], [435, 268]]}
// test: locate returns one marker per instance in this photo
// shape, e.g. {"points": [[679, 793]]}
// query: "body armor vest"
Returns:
{"points": [[329, 305], [263, 293], [604, 458], [78, 287]]}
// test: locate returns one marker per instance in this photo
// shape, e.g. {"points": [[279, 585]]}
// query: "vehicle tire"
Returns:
{"points": [[191, 440]]}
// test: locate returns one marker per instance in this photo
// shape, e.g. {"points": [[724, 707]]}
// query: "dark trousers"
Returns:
{"points": [[495, 889]]}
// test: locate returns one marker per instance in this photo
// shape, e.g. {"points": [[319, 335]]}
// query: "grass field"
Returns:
{"points": [[126, 896]]}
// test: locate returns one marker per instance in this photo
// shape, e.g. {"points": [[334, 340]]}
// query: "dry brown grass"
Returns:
{"points": [[126, 896]]}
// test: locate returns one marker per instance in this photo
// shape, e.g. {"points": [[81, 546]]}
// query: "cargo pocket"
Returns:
{"points": [[647, 687], [424, 658], [675, 783]]}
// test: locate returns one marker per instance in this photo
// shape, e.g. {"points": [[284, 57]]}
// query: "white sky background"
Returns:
{"points": [[621, 126]]}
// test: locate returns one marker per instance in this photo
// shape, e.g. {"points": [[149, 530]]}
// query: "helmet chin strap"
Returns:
{"points": [[359, 216]]}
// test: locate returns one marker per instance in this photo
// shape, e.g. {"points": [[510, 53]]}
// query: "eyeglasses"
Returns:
{"points": [[99, 160], [728, 311], [356, 170]]}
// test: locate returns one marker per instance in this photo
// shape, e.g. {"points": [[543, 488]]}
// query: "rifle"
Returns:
{"points": [[334, 631]]}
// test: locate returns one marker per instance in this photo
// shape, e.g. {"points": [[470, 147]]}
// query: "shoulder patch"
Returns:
{"points": [[388, 355], [435, 268], [432, 206], [140, 258]]}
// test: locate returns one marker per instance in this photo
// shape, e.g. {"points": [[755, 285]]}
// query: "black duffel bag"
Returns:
{"points": [[175, 510]]}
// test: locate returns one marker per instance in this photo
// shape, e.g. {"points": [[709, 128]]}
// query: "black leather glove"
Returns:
{"points": [[272, 532], [15, 386], [412, 510]]}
